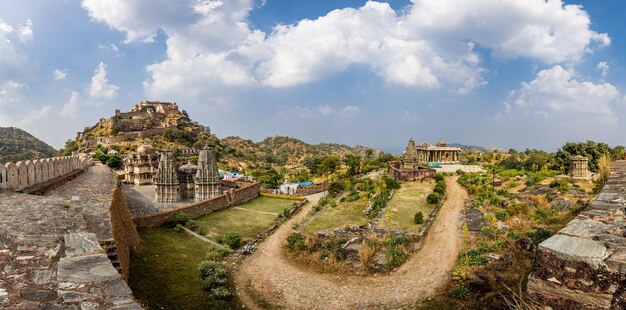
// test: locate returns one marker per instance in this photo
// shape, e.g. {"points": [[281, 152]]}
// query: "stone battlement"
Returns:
{"points": [[583, 266], [28, 175]]}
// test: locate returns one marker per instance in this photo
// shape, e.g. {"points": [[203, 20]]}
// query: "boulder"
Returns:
{"points": [[474, 219], [561, 204]]}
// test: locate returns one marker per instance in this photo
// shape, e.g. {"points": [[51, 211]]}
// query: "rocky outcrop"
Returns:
{"points": [[583, 266]]}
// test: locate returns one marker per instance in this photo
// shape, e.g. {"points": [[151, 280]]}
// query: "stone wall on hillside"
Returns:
{"points": [[124, 231], [246, 192], [583, 266]]}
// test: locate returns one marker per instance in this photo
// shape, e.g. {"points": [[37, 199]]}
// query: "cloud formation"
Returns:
{"points": [[556, 94], [60, 74], [100, 88], [70, 109], [429, 45], [25, 33]]}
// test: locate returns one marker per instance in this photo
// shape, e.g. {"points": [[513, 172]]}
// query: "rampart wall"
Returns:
{"points": [[32, 175], [124, 232], [583, 266], [246, 192]]}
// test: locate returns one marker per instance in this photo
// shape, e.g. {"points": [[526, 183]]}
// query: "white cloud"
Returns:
{"points": [[604, 67], [60, 74], [25, 33], [430, 44], [35, 115], [324, 109], [70, 109], [555, 93], [5, 28], [307, 112], [100, 87], [349, 111]]}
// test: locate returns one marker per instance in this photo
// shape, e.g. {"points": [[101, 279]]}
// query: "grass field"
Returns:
{"points": [[344, 214], [257, 215], [405, 203], [165, 274]]}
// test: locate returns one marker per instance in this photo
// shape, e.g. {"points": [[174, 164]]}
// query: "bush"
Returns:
{"points": [[561, 184], [178, 218], [231, 239], [441, 190], [178, 228], [502, 215], [439, 177], [395, 241], [459, 291], [433, 198], [418, 218], [218, 253], [395, 257], [295, 242]]}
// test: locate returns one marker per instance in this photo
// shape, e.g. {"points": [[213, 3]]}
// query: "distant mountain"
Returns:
{"points": [[469, 147], [17, 144], [280, 151]]}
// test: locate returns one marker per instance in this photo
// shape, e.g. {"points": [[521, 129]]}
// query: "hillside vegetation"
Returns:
{"points": [[17, 144]]}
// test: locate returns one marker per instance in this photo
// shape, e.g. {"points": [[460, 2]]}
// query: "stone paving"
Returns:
{"points": [[48, 257]]}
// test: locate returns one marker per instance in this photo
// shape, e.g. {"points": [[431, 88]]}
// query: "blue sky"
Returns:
{"points": [[506, 73]]}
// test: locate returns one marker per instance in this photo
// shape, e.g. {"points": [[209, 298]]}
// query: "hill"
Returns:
{"points": [[17, 144], [165, 127]]}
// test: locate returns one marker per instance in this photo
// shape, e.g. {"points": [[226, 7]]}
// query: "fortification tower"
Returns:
{"points": [[166, 180], [207, 179]]}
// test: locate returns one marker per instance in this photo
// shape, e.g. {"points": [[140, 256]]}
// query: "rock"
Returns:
{"points": [[561, 204], [80, 244], [585, 228], [378, 262], [529, 203], [352, 250], [474, 219], [493, 257], [117, 288], [504, 203], [4, 296], [42, 277], [71, 296], [86, 269], [479, 282], [248, 249], [88, 306], [526, 244], [39, 295], [501, 226], [576, 249]]}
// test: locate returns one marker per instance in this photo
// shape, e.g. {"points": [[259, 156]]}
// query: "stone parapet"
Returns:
{"points": [[583, 266]]}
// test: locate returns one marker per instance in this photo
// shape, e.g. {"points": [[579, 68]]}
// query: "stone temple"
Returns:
{"points": [[578, 167], [410, 167], [440, 153], [199, 182], [140, 168]]}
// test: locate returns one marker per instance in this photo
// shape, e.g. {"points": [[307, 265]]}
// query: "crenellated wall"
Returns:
{"points": [[27, 175]]}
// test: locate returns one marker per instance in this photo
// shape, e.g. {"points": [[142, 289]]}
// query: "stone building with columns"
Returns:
{"points": [[199, 182], [440, 153], [410, 168]]}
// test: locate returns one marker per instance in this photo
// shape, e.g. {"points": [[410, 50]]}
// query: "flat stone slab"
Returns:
{"points": [[584, 228], [81, 244], [576, 249], [86, 269]]}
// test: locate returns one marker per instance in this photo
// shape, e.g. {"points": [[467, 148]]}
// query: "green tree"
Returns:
{"points": [[353, 163]]}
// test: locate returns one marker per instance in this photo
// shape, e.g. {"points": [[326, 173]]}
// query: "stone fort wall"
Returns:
{"points": [[134, 135], [583, 266], [124, 232], [246, 192], [30, 174]]}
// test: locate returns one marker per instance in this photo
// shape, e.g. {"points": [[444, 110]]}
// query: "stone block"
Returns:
{"points": [[117, 288], [86, 269], [80, 244], [584, 228], [576, 249], [39, 295]]}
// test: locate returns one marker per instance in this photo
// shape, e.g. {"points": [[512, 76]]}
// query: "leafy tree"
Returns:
{"points": [[590, 149], [418, 218], [270, 178], [329, 164], [115, 162], [115, 130], [353, 162]]}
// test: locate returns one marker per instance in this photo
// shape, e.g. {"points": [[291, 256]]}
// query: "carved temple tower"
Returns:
{"points": [[166, 180], [409, 158], [207, 179]]}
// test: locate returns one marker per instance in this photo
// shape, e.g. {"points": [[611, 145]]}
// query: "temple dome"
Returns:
{"points": [[188, 168], [146, 149], [441, 143]]}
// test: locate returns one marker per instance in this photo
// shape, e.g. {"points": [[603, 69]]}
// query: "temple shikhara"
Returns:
{"points": [[415, 158]]}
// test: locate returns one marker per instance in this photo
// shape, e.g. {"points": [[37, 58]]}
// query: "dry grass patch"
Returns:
{"points": [[405, 203]]}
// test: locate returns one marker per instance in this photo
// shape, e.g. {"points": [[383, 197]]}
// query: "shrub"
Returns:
{"points": [[295, 242], [433, 198], [439, 177], [231, 239], [513, 234], [178, 218], [561, 184], [418, 218], [395, 257], [439, 190], [211, 269], [178, 228], [502, 215], [395, 241], [218, 253], [459, 291]]}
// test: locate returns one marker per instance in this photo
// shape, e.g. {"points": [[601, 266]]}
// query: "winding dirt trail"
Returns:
{"points": [[270, 274]]}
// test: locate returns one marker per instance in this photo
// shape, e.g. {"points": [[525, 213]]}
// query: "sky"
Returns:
{"points": [[493, 73]]}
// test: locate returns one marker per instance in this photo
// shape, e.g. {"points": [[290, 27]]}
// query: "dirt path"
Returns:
{"points": [[270, 274]]}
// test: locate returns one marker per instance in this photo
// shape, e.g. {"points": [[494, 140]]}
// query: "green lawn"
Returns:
{"points": [[267, 204], [165, 274], [405, 203], [344, 214], [247, 223]]}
